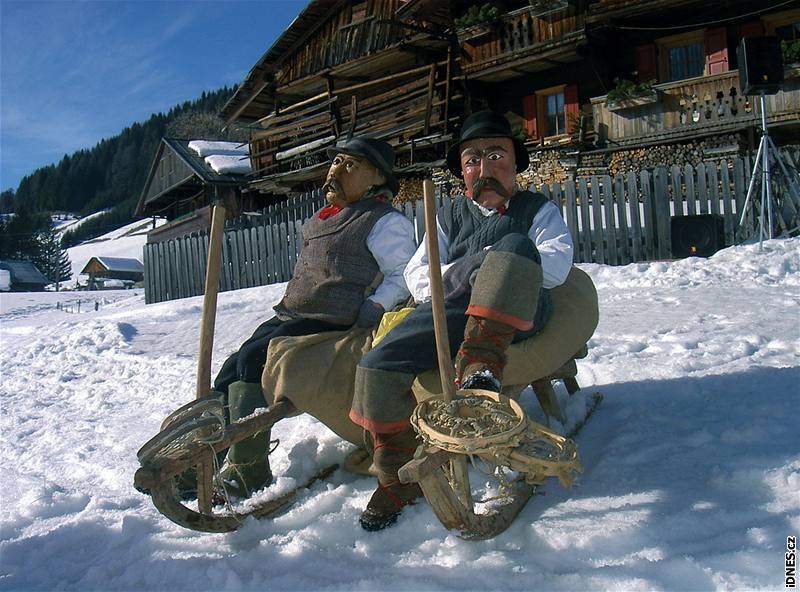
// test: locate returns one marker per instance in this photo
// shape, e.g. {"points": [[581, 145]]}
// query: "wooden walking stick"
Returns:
{"points": [[446, 371], [205, 470]]}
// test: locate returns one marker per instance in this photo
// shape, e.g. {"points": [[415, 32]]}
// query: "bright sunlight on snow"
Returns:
{"points": [[691, 464]]}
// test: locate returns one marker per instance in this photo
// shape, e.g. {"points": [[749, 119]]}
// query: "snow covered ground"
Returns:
{"points": [[691, 465]]}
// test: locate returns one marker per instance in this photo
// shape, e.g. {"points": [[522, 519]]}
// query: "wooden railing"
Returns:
{"points": [[692, 107], [518, 34], [337, 45]]}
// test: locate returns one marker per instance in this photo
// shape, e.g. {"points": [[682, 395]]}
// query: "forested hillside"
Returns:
{"points": [[111, 175]]}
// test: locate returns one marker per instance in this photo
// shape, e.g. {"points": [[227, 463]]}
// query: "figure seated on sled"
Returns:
{"points": [[356, 243], [505, 253], [402, 365]]}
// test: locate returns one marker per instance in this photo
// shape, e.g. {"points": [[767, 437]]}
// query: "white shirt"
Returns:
{"points": [[391, 242], [548, 232]]}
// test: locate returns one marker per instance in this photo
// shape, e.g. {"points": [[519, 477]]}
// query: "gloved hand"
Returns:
{"points": [[370, 314], [459, 277]]}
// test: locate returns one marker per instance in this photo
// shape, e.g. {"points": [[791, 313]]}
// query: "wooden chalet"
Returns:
{"points": [[348, 68], [181, 186], [100, 269], [408, 71]]}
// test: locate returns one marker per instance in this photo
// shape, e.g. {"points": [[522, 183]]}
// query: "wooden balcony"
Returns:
{"points": [[691, 108], [341, 44], [290, 148], [523, 41]]}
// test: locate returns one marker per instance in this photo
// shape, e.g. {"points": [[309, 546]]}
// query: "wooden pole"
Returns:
{"points": [[205, 470], [458, 464], [210, 302], [446, 371]]}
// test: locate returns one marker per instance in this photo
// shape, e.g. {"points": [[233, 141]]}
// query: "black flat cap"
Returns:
{"points": [[378, 152], [486, 124]]}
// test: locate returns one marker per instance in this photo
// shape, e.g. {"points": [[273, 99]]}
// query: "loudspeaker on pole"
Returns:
{"points": [[760, 65]]}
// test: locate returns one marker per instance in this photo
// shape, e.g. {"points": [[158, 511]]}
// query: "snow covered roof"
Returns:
{"points": [[209, 148], [229, 164], [24, 272], [224, 158], [120, 264]]}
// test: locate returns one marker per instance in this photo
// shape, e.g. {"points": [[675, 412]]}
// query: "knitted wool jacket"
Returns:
{"points": [[468, 231]]}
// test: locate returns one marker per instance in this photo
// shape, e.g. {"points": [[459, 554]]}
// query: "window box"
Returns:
{"points": [[474, 32], [633, 101]]}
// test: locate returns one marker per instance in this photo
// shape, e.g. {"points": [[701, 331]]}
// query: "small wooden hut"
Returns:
{"points": [[99, 269]]}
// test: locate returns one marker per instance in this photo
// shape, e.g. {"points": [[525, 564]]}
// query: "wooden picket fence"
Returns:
{"points": [[612, 220]]}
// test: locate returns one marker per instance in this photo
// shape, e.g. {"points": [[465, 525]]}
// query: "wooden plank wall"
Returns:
{"points": [[614, 221]]}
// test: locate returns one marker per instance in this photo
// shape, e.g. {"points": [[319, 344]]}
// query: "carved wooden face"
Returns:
{"points": [[349, 178], [490, 170]]}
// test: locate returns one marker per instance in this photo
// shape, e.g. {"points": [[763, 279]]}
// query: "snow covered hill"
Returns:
{"points": [[691, 465]]}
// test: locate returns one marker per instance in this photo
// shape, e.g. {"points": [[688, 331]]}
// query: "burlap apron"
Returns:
{"points": [[317, 372]]}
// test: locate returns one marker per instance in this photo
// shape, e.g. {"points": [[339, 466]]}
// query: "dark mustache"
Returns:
{"points": [[491, 183], [332, 184]]}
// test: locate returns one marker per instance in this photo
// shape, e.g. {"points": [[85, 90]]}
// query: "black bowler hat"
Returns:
{"points": [[486, 124], [378, 152]]}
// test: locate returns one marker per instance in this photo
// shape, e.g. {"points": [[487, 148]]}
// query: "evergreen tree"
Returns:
{"points": [[52, 259], [19, 235], [7, 201]]}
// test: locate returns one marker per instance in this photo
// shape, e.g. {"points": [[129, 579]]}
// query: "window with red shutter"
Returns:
{"points": [[529, 113], [716, 45], [646, 63], [572, 108]]}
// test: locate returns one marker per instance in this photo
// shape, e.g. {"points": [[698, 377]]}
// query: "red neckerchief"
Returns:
{"points": [[329, 211], [499, 209], [332, 210]]}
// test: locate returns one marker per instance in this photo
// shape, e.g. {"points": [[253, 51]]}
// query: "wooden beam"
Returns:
{"points": [[260, 86]]}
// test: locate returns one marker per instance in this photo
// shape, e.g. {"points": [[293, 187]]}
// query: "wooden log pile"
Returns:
{"points": [[411, 187], [693, 153], [545, 168]]}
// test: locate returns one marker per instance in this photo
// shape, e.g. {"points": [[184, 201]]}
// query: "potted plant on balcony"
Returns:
{"points": [[477, 22], [627, 94], [790, 51]]}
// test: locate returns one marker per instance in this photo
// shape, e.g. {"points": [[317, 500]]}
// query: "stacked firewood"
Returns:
{"points": [[692, 153], [410, 190], [647, 158], [411, 187], [545, 168]]}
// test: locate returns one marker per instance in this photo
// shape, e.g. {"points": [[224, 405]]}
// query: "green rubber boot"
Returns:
{"points": [[246, 467]]}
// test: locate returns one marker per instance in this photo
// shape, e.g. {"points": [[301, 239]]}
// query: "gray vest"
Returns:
{"points": [[468, 231], [335, 267]]}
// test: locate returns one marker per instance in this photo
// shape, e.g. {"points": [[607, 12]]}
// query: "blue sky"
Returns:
{"points": [[75, 72]]}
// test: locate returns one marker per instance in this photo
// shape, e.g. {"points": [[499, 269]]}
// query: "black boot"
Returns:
{"points": [[246, 467], [392, 451]]}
